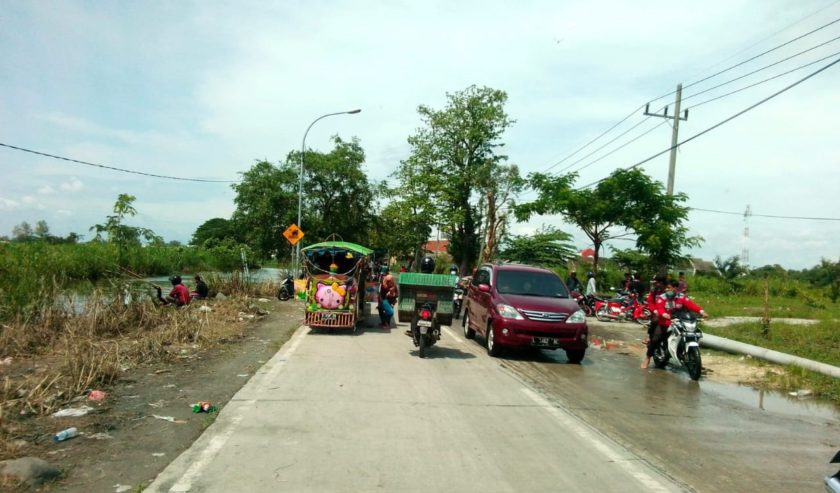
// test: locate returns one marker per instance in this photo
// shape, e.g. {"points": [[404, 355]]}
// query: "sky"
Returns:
{"points": [[206, 89]]}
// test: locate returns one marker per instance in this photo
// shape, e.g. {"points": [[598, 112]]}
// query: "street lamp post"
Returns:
{"points": [[300, 181]]}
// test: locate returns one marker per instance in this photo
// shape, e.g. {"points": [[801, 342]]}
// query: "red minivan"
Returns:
{"points": [[519, 306]]}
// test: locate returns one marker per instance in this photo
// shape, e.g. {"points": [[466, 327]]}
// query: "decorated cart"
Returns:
{"points": [[335, 283]]}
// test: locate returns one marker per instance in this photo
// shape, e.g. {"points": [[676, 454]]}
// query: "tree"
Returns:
{"points": [[120, 233], [828, 274], [730, 268], [498, 196], [42, 230], [454, 154], [213, 231], [337, 196], [548, 246], [402, 229], [266, 204], [22, 232], [627, 200]]}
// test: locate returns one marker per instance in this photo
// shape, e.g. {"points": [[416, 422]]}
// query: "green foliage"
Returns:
{"points": [[266, 204], [212, 232], [121, 234], [455, 161], [548, 247], [730, 268], [337, 196], [402, 228], [627, 200]]}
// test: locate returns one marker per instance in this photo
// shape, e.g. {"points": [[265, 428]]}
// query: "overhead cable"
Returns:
{"points": [[727, 120], [115, 168], [767, 215]]}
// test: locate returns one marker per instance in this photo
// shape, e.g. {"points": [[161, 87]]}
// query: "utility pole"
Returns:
{"points": [[674, 134], [745, 248]]}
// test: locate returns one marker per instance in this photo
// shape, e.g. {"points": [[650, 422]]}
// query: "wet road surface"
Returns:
{"points": [[343, 412]]}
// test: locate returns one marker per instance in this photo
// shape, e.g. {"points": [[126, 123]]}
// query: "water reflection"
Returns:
{"points": [[774, 402]]}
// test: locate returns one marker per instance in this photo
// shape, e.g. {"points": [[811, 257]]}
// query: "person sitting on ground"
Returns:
{"points": [[179, 296], [201, 289]]}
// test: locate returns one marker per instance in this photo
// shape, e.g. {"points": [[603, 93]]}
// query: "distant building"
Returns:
{"points": [[436, 246], [697, 265]]}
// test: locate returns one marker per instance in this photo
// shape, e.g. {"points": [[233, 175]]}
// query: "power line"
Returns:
{"points": [[767, 215], [114, 168], [765, 80], [622, 146], [727, 120], [762, 53], [605, 132], [766, 67]]}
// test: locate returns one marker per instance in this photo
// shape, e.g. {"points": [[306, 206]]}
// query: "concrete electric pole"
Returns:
{"points": [[674, 135]]}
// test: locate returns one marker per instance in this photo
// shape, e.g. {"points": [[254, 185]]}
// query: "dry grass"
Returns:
{"points": [[58, 356]]}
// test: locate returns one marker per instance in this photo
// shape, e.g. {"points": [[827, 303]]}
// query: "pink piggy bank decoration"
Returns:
{"points": [[329, 297]]}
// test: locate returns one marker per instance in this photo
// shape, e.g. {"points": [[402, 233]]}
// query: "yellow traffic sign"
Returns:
{"points": [[293, 234]]}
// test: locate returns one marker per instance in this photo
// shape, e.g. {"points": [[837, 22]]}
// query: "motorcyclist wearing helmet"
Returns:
{"points": [[590, 284], [427, 265], [667, 303], [179, 296]]}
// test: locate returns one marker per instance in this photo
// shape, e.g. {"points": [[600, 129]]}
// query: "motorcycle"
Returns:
{"points": [[457, 302], [682, 344], [425, 330], [832, 483], [586, 303], [287, 289], [625, 307]]}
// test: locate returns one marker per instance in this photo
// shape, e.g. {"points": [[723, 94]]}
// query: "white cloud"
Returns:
{"points": [[46, 190], [75, 185], [8, 204], [64, 212]]}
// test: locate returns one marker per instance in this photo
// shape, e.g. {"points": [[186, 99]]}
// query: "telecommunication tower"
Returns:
{"points": [[745, 247]]}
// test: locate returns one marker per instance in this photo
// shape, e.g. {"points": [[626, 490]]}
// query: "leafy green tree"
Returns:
{"points": [[22, 232], [213, 231], [121, 234], [730, 268], [42, 230], [625, 203], [496, 202], [338, 198], [454, 156], [548, 246], [266, 204], [402, 229], [828, 274]]}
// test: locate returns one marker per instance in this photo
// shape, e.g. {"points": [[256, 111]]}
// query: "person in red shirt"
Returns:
{"points": [[666, 304], [179, 296]]}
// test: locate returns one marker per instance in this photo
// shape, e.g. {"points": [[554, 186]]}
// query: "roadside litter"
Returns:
{"points": [[72, 412], [169, 418], [65, 434], [96, 395], [204, 407]]}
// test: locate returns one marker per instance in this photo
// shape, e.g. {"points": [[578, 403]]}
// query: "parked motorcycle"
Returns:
{"points": [[287, 288], [682, 344], [623, 308], [425, 330], [586, 303]]}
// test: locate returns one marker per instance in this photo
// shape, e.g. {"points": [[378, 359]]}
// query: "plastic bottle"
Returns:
{"points": [[65, 434]]}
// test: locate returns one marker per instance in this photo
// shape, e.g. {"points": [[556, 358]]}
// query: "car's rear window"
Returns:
{"points": [[530, 284]]}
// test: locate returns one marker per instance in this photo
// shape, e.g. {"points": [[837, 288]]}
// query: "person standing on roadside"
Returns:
{"points": [[387, 293]]}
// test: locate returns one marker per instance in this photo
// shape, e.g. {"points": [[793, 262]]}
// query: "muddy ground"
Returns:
{"points": [[146, 420]]}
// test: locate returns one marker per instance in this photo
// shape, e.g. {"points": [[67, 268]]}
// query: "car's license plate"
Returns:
{"points": [[545, 341], [424, 323]]}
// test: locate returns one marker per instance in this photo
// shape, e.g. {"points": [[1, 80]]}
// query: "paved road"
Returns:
{"points": [[341, 412]]}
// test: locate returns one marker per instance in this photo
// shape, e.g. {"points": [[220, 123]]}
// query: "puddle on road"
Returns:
{"points": [[773, 402]]}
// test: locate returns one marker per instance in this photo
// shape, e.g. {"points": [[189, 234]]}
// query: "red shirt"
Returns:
{"points": [[181, 294], [678, 302]]}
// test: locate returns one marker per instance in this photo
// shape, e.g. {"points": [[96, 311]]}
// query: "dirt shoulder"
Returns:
{"points": [[123, 445]]}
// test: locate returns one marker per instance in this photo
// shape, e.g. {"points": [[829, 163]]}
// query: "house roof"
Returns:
{"points": [[436, 246]]}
